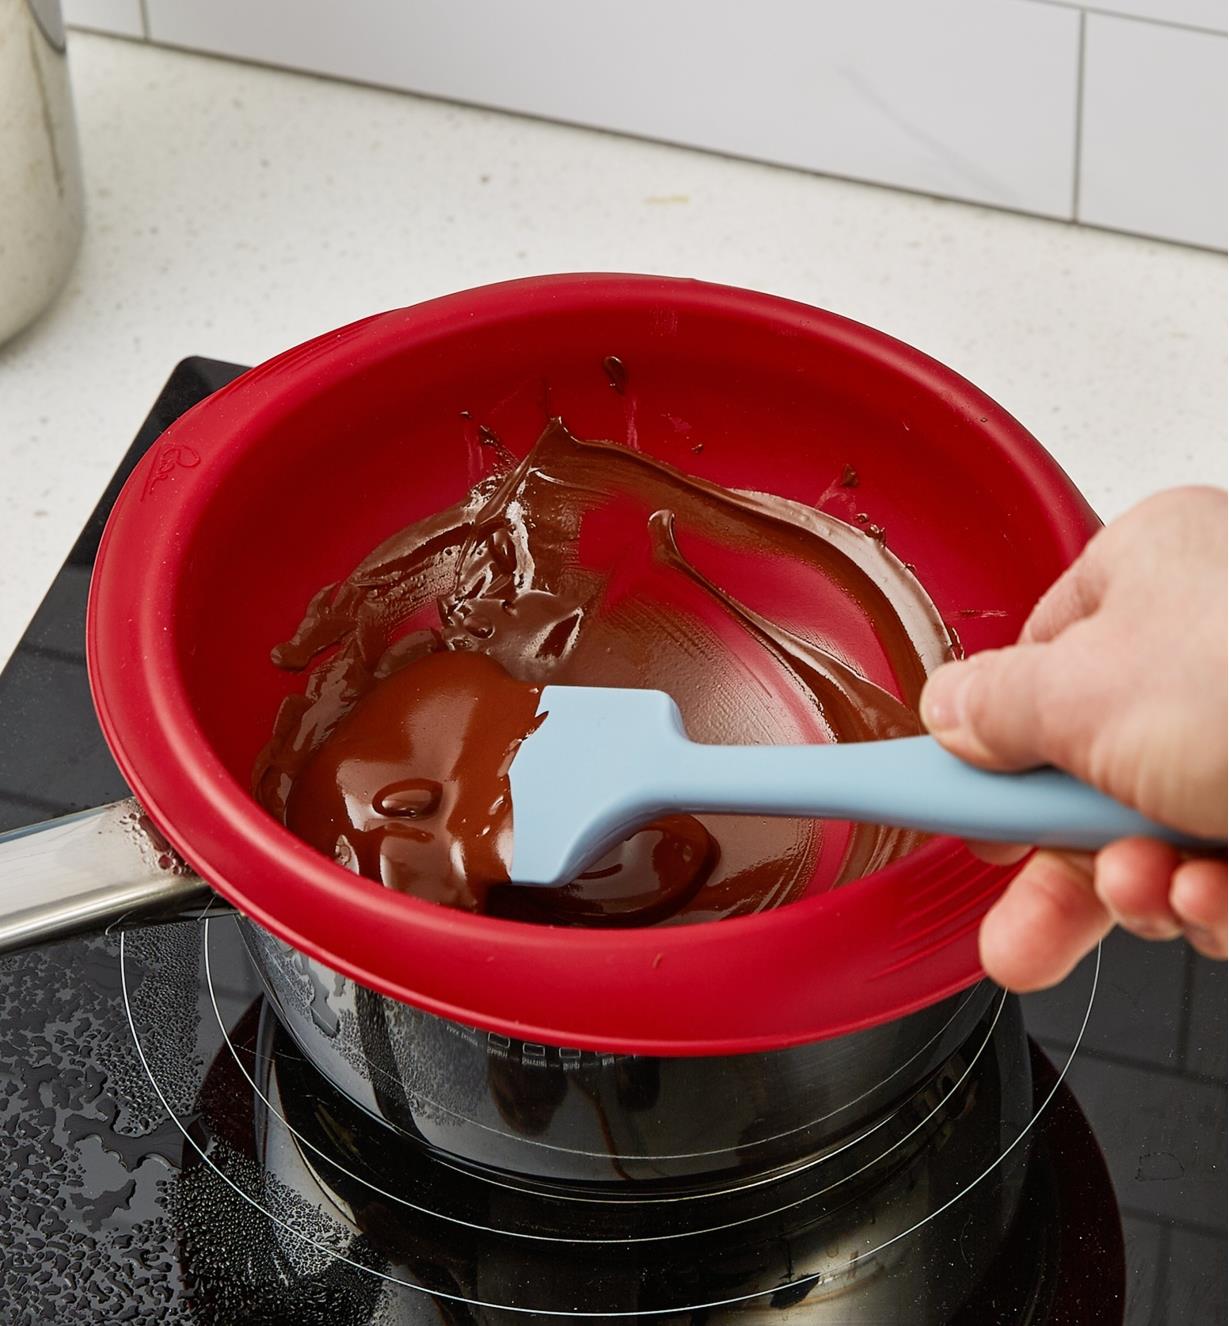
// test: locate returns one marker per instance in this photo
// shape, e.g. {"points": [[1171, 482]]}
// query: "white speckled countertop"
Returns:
{"points": [[234, 211]]}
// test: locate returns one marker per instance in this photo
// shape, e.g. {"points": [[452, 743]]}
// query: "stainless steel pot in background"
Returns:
{"points": [[41, 205], [894, 1228], [565, 1117], [551, 1115]]}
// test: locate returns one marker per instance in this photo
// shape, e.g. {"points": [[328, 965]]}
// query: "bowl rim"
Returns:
{"points": [[745, 984]]}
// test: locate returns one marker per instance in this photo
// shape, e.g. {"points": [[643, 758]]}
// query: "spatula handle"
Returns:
{"points": [[911, 782]]}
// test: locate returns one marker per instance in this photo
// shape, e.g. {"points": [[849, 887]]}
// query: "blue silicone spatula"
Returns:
{"points": [[605, 761]]}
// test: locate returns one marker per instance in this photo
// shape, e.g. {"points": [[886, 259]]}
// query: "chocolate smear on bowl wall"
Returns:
{"points": [[588, 562]]}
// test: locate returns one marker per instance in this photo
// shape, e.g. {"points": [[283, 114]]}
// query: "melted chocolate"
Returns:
{"points": [[411, 787], [585, 563], [616, 373]]}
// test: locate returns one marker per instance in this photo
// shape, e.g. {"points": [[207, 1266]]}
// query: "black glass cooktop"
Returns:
{"points": [[166, 1155]]}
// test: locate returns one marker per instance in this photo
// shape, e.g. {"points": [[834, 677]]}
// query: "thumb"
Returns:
{"points": [[993, 709]]}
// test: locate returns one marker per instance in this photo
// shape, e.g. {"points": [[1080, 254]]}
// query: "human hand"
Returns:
{"points": [[1119, 677]]}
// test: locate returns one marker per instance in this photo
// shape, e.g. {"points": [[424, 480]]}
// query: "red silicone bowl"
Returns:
{"points": [[282, 481]]}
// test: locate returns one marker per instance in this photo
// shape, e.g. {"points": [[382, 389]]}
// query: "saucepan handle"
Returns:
{"points": [[97, 870]]}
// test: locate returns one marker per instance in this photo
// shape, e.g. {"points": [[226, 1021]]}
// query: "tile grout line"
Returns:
{"points": [[1129, 18], [70, 656], [1148, 1216], [1078, 155], [144, 4], [1188, 1000]]}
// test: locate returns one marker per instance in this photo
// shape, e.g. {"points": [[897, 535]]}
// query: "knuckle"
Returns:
{"points": [[1070, 694], [1085, 588], [989, 718], [1052, 720], [979, 693]]}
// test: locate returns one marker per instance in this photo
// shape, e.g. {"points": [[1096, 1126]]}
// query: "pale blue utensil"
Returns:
{"points": [[605, 761]]}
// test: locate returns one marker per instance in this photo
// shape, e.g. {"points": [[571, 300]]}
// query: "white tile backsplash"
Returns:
{"points": [[969, 99], [122, 17], [1153, 145], [972, 99]]}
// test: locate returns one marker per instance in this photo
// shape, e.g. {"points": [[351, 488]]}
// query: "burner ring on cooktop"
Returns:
{"points": [[803, 1281]]}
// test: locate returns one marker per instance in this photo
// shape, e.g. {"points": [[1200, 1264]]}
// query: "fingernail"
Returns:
{"points": [[944, 699], [1147, 928]]}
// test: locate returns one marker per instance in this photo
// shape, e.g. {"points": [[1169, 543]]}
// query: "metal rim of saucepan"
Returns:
{"points": [[821, 967]]}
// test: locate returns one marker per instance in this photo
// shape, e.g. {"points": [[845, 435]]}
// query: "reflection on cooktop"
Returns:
{"points": [[113, 1212], [895, 1229]]}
